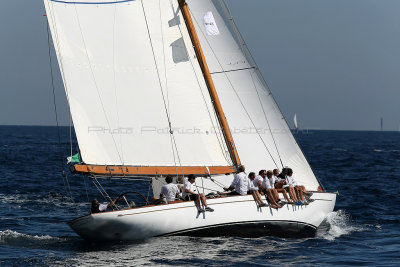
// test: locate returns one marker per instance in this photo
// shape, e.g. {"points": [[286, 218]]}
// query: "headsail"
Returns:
{"points": [[135, 88], [261, 134]]}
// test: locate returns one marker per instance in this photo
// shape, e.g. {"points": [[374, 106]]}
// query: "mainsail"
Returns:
{"points": [[261, 134], [135, 88]]}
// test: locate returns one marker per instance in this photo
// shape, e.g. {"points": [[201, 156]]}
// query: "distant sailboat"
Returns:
{"points": [[295, 122], [154, 88]]}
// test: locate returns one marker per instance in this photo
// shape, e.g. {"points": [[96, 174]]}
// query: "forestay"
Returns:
{"points": [[136, 91], [261, 134]]}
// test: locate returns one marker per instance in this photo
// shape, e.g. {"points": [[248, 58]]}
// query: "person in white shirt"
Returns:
{"points": [[265, 187], [289, 187], [239, 184], [300, 189], [189, 194], [253, 189], [97, 207], [170, 190], [277, 183]]}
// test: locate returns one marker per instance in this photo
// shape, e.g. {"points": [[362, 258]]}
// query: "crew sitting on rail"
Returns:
{"points": [[289, 186], [189, 194], [170, 190], [300, 189], [278, 181], [276, 185], [253, 190], [265, 187], [97, 207]]}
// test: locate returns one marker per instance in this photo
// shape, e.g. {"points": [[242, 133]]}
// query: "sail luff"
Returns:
{"points": [[209, 81]]}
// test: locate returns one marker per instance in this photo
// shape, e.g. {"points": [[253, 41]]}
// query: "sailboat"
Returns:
{"points": [[168, 87], [295, 122]]}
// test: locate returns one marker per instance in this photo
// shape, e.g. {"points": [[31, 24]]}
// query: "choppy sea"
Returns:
{"points": [[364, 229]]}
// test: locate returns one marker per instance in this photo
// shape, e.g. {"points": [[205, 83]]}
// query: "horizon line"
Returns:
{"points": [[292, 129]]}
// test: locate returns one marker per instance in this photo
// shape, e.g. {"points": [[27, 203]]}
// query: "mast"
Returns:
{"points": [[209, 81]]}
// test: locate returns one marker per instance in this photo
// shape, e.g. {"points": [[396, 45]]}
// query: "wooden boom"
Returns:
{"points": [[151, 170]]}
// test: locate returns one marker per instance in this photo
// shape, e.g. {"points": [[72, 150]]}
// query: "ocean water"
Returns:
{"points": [[364, 229]]}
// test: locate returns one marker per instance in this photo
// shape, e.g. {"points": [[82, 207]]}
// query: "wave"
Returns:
{"points": [[337, 224], [13, 238], [55, 199]]}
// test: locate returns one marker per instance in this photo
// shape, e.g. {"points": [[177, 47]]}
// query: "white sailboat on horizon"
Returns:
{"points": [[162, 88]]}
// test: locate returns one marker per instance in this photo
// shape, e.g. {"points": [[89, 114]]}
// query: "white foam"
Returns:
{"points": [[15, 238], [338, 224]]}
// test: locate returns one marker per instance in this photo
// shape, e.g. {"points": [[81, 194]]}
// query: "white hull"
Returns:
{"points": [[238, 215]]}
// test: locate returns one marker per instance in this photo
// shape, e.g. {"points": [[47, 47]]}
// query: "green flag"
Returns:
{"points": [[74, 159]]}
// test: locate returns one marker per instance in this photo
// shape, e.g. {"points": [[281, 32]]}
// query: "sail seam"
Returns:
{"points": [[174, 148], [249, 56], [219, 137], [95, 83], [226, 71], [236, 93], [173, 141], [115, 87], [266, 118]]}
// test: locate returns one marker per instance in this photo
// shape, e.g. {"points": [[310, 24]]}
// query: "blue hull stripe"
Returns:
{"points": [[92, 3]]}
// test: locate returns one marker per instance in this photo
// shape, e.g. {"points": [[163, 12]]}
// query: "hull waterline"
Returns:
{"points": [[233, 216]]}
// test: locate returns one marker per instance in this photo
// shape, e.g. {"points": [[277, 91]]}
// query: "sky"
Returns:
{"points": [[336, 64]]}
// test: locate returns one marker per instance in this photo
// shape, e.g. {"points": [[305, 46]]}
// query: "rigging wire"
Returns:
{"points": [[218, 133], [247, 52], [115, 86], [148, 192], [174, 149], [63, 175], [266, 118], [161, 88], [86, 190], [236, 93], [95, 83]]}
